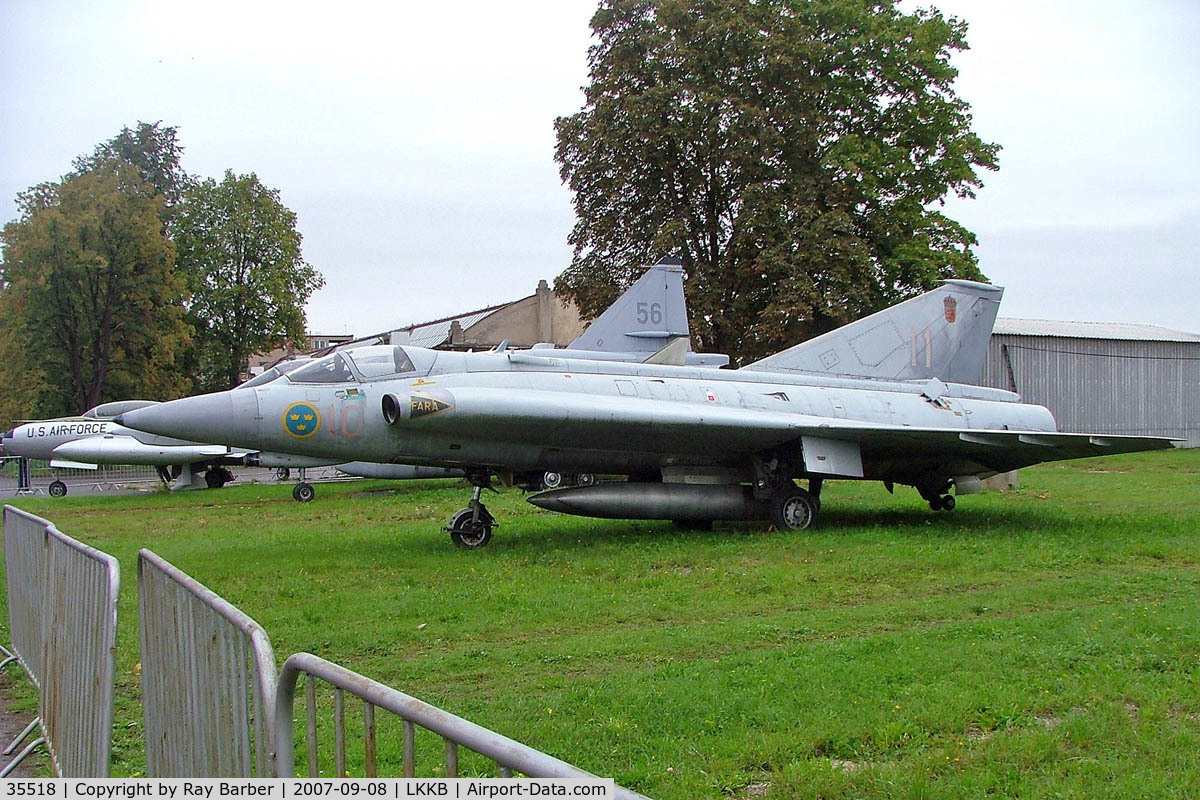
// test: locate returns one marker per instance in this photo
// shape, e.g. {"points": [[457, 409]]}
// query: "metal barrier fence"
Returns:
{"points": [[79, 633], [103, 478], [64, 616], [213, 704], [208, 679], [509, 755], [25, 568]]}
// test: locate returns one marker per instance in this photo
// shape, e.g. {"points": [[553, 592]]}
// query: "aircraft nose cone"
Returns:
{"points": [[208, 418]]}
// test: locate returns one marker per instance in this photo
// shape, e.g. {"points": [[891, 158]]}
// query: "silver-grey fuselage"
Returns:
{"points": [[508, 411]]}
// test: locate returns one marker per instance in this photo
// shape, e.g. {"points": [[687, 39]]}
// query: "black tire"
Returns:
{"points": [[585, 479], [794, 509], [948, 503], [214, 479], [282, 474], [467, 533], [303, 492], [57, 489], [551, 480]]}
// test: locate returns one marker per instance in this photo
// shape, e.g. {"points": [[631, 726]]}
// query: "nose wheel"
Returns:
{"points": [[472, 526], [303, 492]]}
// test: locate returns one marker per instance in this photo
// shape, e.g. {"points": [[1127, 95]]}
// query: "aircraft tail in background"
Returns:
{"points": [[940, 334], [650, 313], [647, 323]]}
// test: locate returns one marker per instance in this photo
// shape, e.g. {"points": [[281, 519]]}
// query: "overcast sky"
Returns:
{"points": [[415, 142]]}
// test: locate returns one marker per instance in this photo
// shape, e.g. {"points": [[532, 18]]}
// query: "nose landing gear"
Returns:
{"points": [[472, 526]]}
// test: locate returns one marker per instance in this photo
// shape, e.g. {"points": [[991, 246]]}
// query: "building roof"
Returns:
{"points": [[1091, 330], [431, 334]]}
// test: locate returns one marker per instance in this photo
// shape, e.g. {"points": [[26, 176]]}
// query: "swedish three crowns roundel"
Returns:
{"points": [[301, 420]]}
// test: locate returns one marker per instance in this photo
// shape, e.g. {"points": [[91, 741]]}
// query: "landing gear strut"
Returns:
{"points": [[472, 526]]}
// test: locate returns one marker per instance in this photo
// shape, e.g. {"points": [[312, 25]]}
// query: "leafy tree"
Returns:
{"points": [[239, 247], [20, 382], [153, 150], [791, 152], [91, 301]]}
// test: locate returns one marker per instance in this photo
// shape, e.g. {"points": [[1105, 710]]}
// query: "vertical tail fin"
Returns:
{"points": [[940, 334], [650, 313]]}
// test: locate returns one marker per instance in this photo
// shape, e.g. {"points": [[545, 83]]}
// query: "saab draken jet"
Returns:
{"points": [[888, 398]]}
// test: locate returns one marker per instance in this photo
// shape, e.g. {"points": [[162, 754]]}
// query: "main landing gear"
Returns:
{"points": [[57, 489], [472, 526], [793, 508]]}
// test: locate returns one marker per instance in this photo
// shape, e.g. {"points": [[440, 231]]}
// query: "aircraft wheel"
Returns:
{"points": [[57, 489], [303, 492], [585, 479], [948, 503], [793, 509], [552, 480], [282, 474], [466, 532]]}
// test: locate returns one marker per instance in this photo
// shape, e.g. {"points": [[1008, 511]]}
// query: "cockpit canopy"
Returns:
{"points": [[282, 368], [116, 407], [359, 364]]}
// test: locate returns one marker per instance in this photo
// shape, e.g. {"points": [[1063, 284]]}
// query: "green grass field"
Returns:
{"points": [[1039, 643]]}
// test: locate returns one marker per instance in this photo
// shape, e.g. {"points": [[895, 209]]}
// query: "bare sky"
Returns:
{"points": [[415, 141]]}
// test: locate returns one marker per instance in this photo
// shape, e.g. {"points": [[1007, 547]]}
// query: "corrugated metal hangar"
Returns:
{"points": [[1102, 377]]}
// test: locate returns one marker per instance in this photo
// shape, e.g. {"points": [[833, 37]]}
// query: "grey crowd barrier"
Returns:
{"points": [[67, 601], [509, 755], [208, 679], [25, 569], [213, 704]]}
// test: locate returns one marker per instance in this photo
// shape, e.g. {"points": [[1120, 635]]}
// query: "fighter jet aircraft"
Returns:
{"points": [[880, 399], [94, 438], [647, 323]]}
